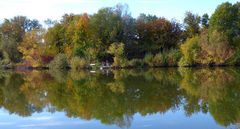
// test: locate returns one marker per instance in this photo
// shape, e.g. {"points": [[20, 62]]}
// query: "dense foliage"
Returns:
{"points": [[113, 35], [218, 42]]}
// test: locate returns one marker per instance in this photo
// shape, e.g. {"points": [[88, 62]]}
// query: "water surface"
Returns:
{"points": [[135, 99]]}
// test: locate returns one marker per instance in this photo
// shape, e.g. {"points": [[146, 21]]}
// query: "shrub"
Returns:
{"points": [[222, 50], [77, 63], [45, 59], [159, 59], [189, 51], [5, 59], [215, 50], [59, 62], [116, 62], [165, 58], [136, 63], [148, 59], [235, 60], [117, 50], [173, 57]]}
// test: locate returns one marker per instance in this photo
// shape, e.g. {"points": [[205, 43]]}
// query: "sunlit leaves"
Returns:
{"points": [[31, 48]]}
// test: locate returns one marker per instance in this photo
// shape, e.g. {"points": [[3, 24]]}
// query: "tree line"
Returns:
{"points": [[113, 35]]}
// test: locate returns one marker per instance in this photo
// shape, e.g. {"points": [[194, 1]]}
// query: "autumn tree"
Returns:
{"points": [[32, 48], [84, 44], [156, 35], [12, 33]]}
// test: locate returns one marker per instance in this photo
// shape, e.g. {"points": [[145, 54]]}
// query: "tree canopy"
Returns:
{"points": [[90, 37]]}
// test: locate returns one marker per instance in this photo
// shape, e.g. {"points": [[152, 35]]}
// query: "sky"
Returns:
{"points": [[54, 9]]}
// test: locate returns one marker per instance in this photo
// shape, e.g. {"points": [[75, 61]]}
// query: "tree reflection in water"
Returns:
{"points": [[115, 97]]}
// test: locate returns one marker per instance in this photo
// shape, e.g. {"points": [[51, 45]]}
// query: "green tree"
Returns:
{"points": [[108, 26], [129, 36], [60, 62], [146, 18], [226, 19], [192, 22], [205, 21], [9, 50], [55, 38]]}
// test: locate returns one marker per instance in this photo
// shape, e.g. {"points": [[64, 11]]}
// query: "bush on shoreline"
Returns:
{"points": [[77, 63], [59, 62], [189, 50]]}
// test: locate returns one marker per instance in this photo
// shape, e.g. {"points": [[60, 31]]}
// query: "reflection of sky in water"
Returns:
{"points": [[58, 120]]}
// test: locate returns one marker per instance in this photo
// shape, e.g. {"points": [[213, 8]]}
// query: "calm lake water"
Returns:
{"points": [[171, 98]]}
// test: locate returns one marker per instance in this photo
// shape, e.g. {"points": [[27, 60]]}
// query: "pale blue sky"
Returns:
{"points": [[54, 9]]}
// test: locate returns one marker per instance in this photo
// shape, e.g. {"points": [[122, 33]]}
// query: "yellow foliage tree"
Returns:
{"points": [[117, 50], [31, 48]]}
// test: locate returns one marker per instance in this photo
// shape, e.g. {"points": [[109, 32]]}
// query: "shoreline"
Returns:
{"points": [[116, 68]]}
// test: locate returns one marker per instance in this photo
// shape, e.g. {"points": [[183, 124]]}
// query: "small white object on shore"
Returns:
{"points": [[92, 71]]}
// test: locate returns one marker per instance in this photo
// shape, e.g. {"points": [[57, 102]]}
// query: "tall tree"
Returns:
{"points": [[108, 26], [205, 21], [226, 19], [32, 48], [50, 22], [157, 35], [84, 43], [146, 18], [55, 37], [192, 22], [12, 33]]}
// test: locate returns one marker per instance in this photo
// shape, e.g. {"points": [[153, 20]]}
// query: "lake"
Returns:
{"points": [[166, 98]]}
